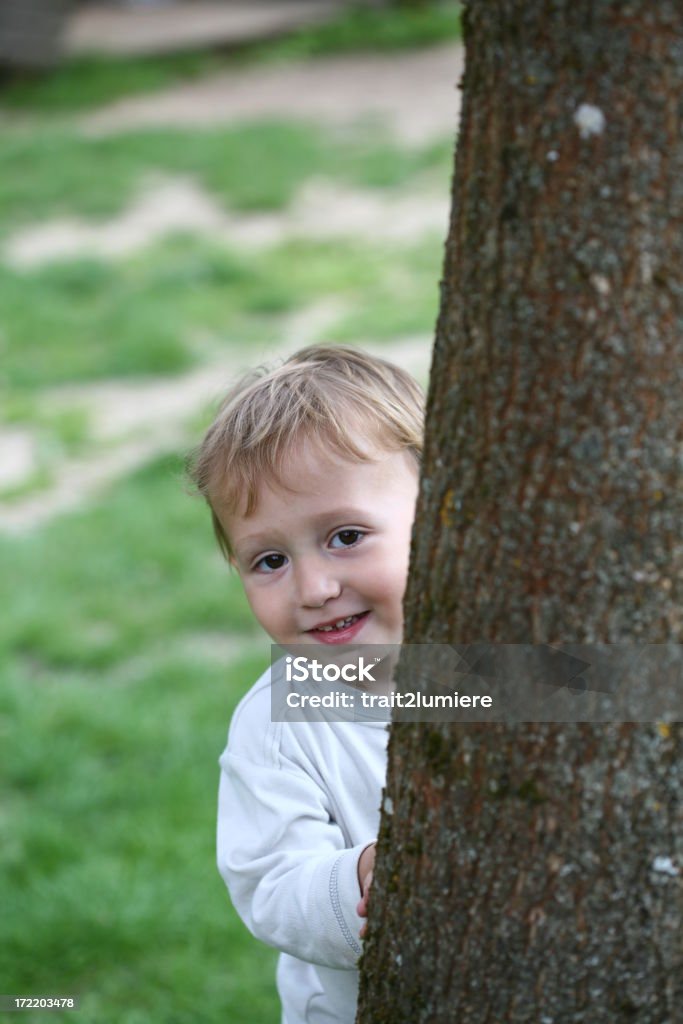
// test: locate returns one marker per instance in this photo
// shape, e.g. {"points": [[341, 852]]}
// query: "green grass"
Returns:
{"points": [[100, 585], [57, 173], [113, 711], [397, 27], [39, 479], [403, 301], [89, 320], [259, 166], [109, 885], [50, 173], [56, 433], [84, 83]]}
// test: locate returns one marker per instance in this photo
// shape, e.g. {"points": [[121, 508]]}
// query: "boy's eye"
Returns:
{"points": [[346, 538], [270, 563]]}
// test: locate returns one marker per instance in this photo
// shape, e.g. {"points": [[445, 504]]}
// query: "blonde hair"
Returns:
{"points": [[332, 395]]}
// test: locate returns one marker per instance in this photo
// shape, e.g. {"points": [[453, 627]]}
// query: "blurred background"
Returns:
{"points": [[187, 189]]}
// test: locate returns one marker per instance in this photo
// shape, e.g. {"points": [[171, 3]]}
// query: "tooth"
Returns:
{"points": [[339, 624]]}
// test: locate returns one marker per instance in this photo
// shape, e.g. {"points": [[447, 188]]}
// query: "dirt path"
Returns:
{"points": [[189, 24], [413, 95], [321, 210]]}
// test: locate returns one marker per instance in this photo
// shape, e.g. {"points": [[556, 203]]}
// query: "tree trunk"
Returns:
{"points": [[534, 873]]}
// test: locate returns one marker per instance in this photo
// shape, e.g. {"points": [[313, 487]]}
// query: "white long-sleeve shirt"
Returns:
{"points": [[298, 802]]}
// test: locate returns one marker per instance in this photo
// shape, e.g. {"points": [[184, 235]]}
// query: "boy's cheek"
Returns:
{"points": [[261, 608]]}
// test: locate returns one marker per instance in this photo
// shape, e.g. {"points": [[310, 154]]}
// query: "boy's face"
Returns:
{"points": [[334, 549]]}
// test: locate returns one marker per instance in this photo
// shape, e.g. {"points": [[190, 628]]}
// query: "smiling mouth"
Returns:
{"points": [[339, 625]]}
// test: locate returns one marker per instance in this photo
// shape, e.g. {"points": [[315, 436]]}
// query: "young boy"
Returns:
{"points": [[311, 474]]}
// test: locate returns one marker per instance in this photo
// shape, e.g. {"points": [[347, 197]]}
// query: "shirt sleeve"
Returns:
{"points": [[290, 877]]}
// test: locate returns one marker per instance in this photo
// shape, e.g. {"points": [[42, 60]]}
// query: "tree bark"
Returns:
{"points": [[534, 873]]}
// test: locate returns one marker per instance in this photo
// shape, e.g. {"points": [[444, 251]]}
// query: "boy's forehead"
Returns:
{"points": [[310, 465], [315, 468], [317, 456], [309, 475], [327, 483]]}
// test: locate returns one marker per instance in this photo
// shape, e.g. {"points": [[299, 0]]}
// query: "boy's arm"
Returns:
{"points": [[284, 860]]}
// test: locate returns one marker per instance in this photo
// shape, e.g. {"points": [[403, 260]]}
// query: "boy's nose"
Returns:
{"points": [[317, 584]]}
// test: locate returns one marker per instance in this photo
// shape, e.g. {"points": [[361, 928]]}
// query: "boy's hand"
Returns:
{"points": [[366, 865]]}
